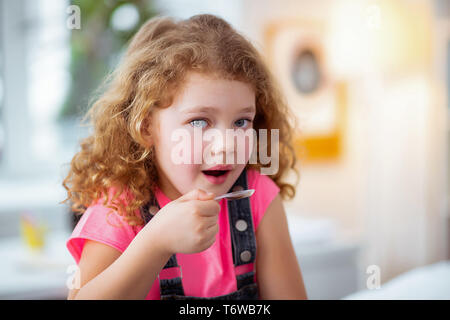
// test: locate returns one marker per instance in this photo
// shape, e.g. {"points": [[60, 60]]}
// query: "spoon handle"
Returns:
{"points": [[236, 195], [221, 197]]}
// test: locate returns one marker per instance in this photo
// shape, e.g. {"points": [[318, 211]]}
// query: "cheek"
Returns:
{"points": [[165, 144], [181, 175], [177, 149], [245, 144], [250, 143]]}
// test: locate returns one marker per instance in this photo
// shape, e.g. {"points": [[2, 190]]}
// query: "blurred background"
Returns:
{"points": [[369, 81]]}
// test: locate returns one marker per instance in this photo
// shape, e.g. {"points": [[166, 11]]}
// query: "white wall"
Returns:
{"points": [[389, 188]]}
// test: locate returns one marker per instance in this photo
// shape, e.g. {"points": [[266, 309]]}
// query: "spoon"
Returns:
{"points": [[241, 194]]}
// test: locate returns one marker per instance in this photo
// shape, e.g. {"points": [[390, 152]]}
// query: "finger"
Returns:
{"points": [[212, 231], [207, 208], [210, 222], [196, 194], [204, 195]]}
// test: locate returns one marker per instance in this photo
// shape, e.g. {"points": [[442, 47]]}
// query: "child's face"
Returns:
{"points": [[227, 100]]}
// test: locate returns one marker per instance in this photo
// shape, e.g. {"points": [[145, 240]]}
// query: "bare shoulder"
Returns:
{"points": [[95, 258], [273, 223], [277, 269]]}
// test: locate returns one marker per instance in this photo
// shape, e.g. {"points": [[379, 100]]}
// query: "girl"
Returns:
{"points": [[150, 227]]}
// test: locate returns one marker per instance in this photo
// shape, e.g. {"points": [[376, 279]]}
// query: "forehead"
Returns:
{"points": [[202, 90]]}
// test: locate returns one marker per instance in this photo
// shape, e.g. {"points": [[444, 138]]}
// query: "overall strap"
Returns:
{"points": [[242, 231]]}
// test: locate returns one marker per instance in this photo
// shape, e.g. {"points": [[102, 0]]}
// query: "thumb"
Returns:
{"points": [[197, 194]]}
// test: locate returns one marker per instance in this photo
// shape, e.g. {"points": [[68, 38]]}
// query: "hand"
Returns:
{"points": [[189, 223]]}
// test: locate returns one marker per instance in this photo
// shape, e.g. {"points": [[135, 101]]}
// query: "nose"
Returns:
{"points": [[221, 148]]}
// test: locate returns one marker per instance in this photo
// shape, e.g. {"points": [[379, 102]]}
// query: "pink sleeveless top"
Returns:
{"points": [[208, 273]]}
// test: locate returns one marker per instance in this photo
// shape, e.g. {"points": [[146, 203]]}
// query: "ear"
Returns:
{"points": [[146, 131]]}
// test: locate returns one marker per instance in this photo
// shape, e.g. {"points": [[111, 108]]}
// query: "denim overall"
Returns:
{"points": [[243, 245]]}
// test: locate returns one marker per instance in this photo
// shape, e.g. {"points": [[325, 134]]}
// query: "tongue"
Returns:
{"points": [[215, 173]]}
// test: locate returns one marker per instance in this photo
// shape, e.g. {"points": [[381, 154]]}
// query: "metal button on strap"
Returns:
{"points": [[153, 210], [241, 225], [238, 188], [246, 255]]}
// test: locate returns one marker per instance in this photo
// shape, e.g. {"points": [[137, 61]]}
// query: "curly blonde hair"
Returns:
{"points": [[153, 68]]}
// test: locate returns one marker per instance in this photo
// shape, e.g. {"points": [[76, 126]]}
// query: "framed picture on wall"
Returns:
{"points": [[295, 51]]}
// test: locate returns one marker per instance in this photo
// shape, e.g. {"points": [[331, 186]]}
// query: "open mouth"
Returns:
{"points": [[215, 173], [216, 176]]}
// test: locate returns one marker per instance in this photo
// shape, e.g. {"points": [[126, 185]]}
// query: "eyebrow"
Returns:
{"points": [[211, 109]]}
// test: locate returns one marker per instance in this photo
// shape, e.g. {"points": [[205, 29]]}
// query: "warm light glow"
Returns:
{"points": [[348, 40], [387, 36]]}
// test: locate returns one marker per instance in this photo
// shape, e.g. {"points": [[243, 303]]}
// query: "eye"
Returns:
{"points": [[199, 123], [240, 124]]}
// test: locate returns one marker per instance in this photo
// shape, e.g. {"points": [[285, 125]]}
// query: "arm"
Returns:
{"points": [[277, 270], [108, 274]]}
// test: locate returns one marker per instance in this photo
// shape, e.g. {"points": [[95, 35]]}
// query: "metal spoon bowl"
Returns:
{"points": [[241, 194]]}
